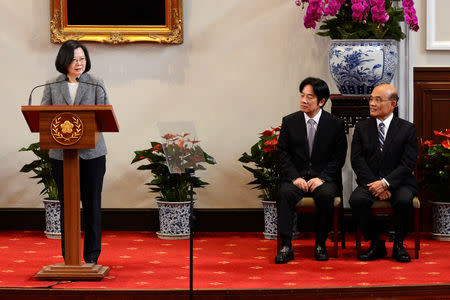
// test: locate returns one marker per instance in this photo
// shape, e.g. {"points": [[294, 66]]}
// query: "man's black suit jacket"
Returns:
{"points": [[328, 154], [397, 160]]}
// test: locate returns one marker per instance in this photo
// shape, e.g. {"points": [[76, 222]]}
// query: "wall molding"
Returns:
{"points": [[124, 219], [117, 219], [431, 74]]}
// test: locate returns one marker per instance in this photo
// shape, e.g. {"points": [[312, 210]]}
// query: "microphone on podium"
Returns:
{"points": [[31, 93], [94, 84]]}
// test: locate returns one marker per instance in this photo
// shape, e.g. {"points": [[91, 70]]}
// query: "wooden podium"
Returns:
{"points": [[71, 128]]}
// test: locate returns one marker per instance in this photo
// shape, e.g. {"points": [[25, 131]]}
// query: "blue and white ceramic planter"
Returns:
{"points": [[441, 221], [270, 221], [357, 66], [173, 220], [52, 219]]}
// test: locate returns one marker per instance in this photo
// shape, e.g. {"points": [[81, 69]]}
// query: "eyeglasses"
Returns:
{"points": [[378, 99], [79, 60]]}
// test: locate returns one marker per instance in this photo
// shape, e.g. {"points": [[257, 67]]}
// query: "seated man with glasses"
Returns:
{"points": [[383, 156], [311, 148]]}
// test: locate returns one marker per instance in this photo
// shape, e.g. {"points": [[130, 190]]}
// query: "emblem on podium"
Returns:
{"points": [[66, 129]]}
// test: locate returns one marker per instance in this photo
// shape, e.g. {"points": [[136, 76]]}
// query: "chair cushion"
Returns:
{"points": [[387, 204], [381, 204], [309, 202]]}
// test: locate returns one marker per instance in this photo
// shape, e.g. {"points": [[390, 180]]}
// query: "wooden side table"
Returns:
{"points": [[351, 109]]}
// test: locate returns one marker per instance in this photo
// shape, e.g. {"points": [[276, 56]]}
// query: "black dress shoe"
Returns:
{"points": [[399, 253], [91, 262], [286, 254], [376, 250], [320, 253]]}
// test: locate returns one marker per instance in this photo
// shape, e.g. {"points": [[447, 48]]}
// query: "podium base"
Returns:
{"points": [[72, 272]]}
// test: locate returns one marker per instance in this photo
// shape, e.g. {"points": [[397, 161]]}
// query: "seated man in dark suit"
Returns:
{"points": [[384, 153], [312, 147]]}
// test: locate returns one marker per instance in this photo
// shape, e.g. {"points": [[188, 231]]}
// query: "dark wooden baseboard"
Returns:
{"points": [[126, 219], [207, 220], [22, 219]]}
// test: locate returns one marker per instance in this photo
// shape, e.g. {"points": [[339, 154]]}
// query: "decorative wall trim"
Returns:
{"points": [[431, 74], [207, 220], [403, 79], [432, 43]]}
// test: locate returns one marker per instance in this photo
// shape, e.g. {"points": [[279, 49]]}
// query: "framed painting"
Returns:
{"points": [[438, 30], [117, 22]]}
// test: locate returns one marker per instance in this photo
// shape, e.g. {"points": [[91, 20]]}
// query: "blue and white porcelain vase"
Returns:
{"points": [[440, 212], [52, 219], [357, 66], [270, 221], [173, 220]]}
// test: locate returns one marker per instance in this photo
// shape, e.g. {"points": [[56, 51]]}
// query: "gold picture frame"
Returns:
{"points": [[170, 33]]}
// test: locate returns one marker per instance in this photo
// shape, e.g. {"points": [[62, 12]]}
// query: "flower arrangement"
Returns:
{"points": [[359, 19], [42, 169], [434, 167], [168, 161], [263, 155]]}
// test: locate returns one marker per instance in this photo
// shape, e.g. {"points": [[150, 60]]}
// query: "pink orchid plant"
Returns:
{"points": [[359, 19]]}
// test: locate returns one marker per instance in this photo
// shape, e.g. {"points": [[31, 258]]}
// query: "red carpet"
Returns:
{"points": [[139, 260]]}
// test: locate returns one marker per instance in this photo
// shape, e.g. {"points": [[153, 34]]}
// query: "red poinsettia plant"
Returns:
{"points": [[264, 160], [434, 167], [168, 161]]}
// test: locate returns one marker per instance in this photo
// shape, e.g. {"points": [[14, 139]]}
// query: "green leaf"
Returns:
{"points": [[42, 169], [172, 187], [256, 151]]}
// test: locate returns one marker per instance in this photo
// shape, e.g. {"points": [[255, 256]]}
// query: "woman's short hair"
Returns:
{"points": [[65, 56], [319, 86]]}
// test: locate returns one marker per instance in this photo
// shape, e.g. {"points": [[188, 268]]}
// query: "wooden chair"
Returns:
{"points": [[385, 208], [307, 205]]}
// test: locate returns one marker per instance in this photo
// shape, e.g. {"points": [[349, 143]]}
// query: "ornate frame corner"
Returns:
{"points": [[171, 33]]}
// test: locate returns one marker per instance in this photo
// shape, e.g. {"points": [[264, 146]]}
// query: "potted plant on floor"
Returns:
{"points": [[434, 177], [173, 187], [363, 52], [267, 176], [42, 169]]}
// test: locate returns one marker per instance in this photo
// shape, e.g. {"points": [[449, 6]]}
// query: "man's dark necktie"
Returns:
{"points": [[311, 134], [381, 129]]}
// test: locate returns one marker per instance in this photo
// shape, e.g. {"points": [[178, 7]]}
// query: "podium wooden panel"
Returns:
{"points": [[84, 126]]}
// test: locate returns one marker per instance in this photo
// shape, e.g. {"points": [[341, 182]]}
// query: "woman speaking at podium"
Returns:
{"points": [[76, 87]]}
